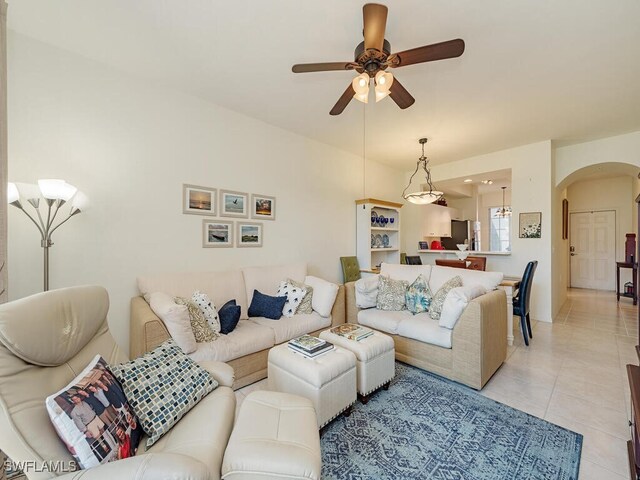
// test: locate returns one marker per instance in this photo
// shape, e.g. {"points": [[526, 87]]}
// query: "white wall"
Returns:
{"points": [[130, 146], [531, 177]]}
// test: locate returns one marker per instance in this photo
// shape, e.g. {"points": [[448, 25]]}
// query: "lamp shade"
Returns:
{"points": [[360, 86], [383, 84], [80, 202], [29, 191], [52, 189], [12, 193], [67, 192], [423, 198]]}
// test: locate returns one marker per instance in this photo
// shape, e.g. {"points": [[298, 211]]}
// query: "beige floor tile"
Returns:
{"points": [[591, 471]]}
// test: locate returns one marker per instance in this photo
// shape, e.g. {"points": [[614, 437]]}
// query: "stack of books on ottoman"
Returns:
{"points": [[310, 346], [352, 331]]}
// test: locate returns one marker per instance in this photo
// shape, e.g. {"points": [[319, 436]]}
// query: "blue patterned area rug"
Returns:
{"points": [[426, 427]]}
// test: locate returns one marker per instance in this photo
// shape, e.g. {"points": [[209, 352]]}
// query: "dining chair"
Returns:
{"points": [[451, 263], [403, 258], [521, 300], [413, 260], [477, 263], [350, 269]]}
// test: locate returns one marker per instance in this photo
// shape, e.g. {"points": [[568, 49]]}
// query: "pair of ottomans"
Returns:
{"points": [[276, 433]]}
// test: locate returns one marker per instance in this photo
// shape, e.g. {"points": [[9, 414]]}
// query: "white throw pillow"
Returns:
{"points": [[208, 309], [176, 318], [294, 297], [455, 303], [324, 295], [367, 291]]}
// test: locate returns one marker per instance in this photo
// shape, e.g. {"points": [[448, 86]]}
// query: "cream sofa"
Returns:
{"points": [[49, 338], [470, 353], [247, 347]]}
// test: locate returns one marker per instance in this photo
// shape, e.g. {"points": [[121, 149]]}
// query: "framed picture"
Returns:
{"points": [[234, 204], [531, 225], [217, 233], [249, 234], [198, 200], [263, 207], [565, 219]]}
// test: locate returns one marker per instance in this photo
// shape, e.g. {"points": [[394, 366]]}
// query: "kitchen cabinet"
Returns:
{"points": [[436, 220]]}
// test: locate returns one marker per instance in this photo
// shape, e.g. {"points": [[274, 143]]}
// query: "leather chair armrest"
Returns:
{"points": [[222, 372], [150, 466]]}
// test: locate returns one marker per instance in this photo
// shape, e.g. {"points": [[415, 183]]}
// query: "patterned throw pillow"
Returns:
{"points": [[294, 297], [92, 417], [438, 299], [418, 295], [391, 294], [208, 309], [162, 386], [305, 306], [201, 329]]}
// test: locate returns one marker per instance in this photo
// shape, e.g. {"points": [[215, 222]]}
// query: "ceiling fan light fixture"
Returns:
{"points": [[422, 197], [360, 86], [383, 84]]}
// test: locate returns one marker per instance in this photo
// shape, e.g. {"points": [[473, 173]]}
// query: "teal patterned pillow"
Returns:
{"points": [[162, 386], [435, 310], [418, 296]]}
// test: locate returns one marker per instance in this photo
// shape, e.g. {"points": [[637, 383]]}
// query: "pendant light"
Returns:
{"points": [[504, 211], [422, 197]]}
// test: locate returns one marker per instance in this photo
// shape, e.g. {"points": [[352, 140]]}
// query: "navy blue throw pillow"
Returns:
{"points": [[229, 315], [266, 306]]}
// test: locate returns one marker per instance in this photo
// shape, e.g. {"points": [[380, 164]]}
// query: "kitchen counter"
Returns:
{"points": [[471, 252]]}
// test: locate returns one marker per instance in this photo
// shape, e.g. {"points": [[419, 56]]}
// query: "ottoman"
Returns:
{"points": [[275, 436], [328, 380], [375, 360]]}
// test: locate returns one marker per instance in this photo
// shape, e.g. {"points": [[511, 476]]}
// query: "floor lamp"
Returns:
{"points": [[53, 194]]}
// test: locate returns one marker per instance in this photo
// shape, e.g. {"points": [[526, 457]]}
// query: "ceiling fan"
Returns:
{"points": [[373, 57]]}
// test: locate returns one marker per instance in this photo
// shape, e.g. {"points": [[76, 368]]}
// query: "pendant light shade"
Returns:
{"points": [[504, 211], [360, 85], [383, 84], [419, 196]]}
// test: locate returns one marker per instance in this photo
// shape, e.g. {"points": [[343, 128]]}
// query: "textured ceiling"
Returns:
{"points": [[532, 70]]}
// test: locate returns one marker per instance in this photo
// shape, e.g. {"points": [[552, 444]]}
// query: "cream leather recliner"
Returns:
{"points": [[46, 340]]}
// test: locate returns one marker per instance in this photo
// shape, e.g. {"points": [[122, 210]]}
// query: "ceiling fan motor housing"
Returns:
{"points": [[372, 60]]}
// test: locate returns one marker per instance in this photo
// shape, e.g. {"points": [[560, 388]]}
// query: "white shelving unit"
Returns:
{"points": [[375, 243]]}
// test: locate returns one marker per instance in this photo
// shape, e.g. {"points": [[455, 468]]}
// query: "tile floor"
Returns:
{"points": [[573, 374]]}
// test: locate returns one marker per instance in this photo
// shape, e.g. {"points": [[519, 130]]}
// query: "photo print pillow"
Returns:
{"points": [[93, 418]]}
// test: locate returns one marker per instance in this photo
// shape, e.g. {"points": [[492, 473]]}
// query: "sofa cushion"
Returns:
{"points": [[424, 329], [405, 272], [391, 293], [248, 337], [162, 386], [290, 327], [385, 321], [267, 279], [208, 309], [418, 295], [229, 317], [220, 286], [176, 318], [455, 303], [202, 440], [435, 309], [294, 295], [263, 305], [489, 280], [306, 306], [324, 294], [201, 329], [367, 291]]}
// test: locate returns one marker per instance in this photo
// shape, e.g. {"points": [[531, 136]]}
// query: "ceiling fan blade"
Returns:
{"points": [[321, 67], [343, 101], [400, 95], [375, 22], [428, 53]]}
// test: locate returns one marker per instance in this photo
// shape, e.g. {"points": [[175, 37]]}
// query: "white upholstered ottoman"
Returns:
{"points": [[275, 436], [375, 360], [328, 380]]}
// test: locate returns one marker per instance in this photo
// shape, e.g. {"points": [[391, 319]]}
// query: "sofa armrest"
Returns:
{"points": [[479, 339], [146, 330], [150, 466], [351, 309], [338, 310], [223, 373]]}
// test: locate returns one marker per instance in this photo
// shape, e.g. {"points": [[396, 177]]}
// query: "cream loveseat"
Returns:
{"points": [[246, 348], [470, 353]]}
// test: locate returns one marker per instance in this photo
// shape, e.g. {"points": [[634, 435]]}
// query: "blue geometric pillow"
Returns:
{"points": [[162, 386], [229, 315], [418, 296], [266, 306]]}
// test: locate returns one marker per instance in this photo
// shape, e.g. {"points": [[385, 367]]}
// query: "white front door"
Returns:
{"points": [[593, 250]]}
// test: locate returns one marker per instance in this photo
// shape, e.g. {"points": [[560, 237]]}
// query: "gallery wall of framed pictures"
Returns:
{"points": [[199, 200]]}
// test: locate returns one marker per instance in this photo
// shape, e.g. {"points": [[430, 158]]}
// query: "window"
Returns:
{"points": [[499, 231]]}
